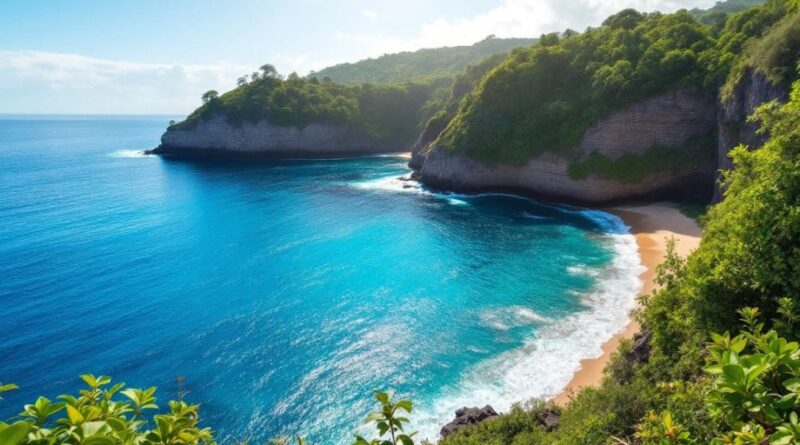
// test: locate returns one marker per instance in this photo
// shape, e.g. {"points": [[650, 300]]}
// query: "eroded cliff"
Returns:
{"points": [[677, 124], [733, 127], [217, 136]]}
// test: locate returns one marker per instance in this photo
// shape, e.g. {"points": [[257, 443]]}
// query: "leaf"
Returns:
{"points": [[792, 385], [738, 344], [15, 433], [733, 373], [90, 380], [98, 440], [75, 416], [406, 440], [406, 405], [382, 397]]}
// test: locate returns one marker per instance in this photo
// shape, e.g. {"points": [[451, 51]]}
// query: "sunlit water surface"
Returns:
{"points": [[285, 292]]}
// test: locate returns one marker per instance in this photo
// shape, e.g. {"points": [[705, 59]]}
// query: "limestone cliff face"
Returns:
{"points": [[217, 136], [675, 120], [753, 90]]}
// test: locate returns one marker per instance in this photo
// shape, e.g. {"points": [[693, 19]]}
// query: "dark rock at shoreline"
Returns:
{"points": [[466, 417]]}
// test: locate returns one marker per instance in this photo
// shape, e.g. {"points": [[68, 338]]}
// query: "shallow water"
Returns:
{"points": [[285, 292]]}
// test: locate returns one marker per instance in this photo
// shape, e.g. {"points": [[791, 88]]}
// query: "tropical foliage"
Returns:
{"points": [[544, 98], [105, 414], [389, 112], [699, 387], [421, 65]]}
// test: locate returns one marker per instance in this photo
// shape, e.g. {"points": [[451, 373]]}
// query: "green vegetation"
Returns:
{"points": [[105, 414], [543, 99], [718, 14], [390, 98], [632, 168], [745, 35], [736, 390], [388, 420], [694, 211], [444, 105], [419, 66], [391, 113]]}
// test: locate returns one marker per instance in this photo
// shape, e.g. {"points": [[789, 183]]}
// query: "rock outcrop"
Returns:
{"points": [[733, 128], [217, 136], [466, 417], [640, 349], [549, 419], [674, 120]]}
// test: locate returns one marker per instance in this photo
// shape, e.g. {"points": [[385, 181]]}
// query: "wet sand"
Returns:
{"points": [[652, 225]]}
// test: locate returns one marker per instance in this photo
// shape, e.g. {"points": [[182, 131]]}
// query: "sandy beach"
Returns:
{"points": [[652, 225]]}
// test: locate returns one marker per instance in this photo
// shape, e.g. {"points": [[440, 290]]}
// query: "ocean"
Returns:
{"points": [[285, 292]]}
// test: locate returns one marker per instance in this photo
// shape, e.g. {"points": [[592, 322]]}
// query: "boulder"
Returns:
{"points": [[549, 419], [466, 417], [640, 350]]}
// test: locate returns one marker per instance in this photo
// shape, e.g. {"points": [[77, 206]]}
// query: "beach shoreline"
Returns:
{"points": [[652, 225]]}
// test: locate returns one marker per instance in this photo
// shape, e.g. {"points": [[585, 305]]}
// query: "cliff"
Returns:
{"points": [[675, 121], [733, 128], [217, 136]]}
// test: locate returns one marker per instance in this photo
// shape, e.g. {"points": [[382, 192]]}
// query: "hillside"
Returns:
{"points": [[720, 10], [611, 114], [423, 64]]}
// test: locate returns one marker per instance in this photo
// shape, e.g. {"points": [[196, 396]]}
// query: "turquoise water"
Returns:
{"points": [[285, 292]]}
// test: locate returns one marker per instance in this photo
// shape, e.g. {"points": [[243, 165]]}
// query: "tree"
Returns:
{"points": [[388, 420], [269, 71], [210, 96], [242, 81]]}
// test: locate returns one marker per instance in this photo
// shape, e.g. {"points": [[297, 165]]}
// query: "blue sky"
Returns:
{"points": [[157, 57]]}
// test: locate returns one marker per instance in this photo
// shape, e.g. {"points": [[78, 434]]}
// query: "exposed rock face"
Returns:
{"points": [[753, 90], [640, 350], [549, 419], [216, 135], [673, 119], [466, 417]]}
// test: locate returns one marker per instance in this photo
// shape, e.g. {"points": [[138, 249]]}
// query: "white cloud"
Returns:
{"points": [[511, 18], [46, 82], [369, 14]]}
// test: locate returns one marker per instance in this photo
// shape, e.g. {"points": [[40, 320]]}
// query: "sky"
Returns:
{"points": [[159, 56]]}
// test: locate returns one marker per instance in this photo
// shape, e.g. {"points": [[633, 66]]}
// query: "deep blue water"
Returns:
{"points": [[286, 292]]}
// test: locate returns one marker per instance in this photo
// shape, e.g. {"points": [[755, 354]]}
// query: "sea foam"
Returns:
{"points": [[129, 154], [543, 367]]}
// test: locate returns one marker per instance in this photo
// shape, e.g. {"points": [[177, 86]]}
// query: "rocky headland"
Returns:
{"points": [[677, 120], [217, 136]]}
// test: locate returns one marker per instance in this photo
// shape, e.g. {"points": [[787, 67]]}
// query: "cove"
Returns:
{"points": [[284, 292]]}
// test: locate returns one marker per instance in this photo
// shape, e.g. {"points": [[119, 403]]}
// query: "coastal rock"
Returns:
{"points": [[733, 128], [466, 417], [217, 136], [549, 419], [674, 119], [640, 350]]}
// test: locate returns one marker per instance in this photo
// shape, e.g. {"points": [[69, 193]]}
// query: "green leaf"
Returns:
{"points": [[733, 373], [382, 397], [405, 440], [75, 416], [792, 385], [738, 344], [98, 440], [15, 434], [90, 380], [406, 405]]}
